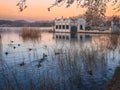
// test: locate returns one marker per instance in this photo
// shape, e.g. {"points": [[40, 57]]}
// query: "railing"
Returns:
{"points": [[74, 23]]}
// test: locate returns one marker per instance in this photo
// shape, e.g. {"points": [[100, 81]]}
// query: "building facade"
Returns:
{"points": [[69, 24]]}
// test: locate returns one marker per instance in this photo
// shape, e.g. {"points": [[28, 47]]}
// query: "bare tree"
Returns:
{"points": [[94, 16], [101, 4], [22, 5]]}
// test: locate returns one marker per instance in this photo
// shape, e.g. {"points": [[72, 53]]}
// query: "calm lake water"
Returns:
{"points": [[57, 61]]}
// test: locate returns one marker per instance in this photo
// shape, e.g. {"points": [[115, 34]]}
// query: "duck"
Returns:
{"points": [[22, 64], [14, 47], [30, 49], [44, 55], [39, 65], [41, 60], [90, 72], [6, 53], [18, 44], [57, 53]]}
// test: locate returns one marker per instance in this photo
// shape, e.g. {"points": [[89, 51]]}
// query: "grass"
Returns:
{"points": [[68, 62], [65, 74]]}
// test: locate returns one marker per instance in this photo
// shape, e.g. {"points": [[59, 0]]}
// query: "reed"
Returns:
{"points": [[30, 33], [68, 76]]}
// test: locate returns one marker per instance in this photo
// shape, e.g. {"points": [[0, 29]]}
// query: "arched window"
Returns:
{"points": [[81, 27]]}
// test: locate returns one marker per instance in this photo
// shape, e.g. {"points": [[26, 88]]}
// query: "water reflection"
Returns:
{"points": [[29, 38], [79, 38], [60, 63]]}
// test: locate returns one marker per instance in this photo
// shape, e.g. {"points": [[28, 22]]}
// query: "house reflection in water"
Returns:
{"points": [[92, 66], [77, 37]]}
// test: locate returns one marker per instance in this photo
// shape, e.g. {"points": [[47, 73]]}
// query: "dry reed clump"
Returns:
{"points": [[30, 33], [69, 68], [89, 53], [114, 40], [68, 64]]}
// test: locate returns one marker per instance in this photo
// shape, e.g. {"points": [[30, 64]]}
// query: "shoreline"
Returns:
{"points": [[91, 32], [50, 29]]}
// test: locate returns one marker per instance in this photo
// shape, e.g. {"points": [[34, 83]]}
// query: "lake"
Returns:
{"points": [[56, 61]]}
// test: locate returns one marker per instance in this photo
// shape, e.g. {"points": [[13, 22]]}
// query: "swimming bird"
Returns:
{"points": [[18, 44], [41, 60], [44, 55], [22, 64], [6, 53], [39, 65], [14, 47], [57, 53], [30, 49], [90, 72]]}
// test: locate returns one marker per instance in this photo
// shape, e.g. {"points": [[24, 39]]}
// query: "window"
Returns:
{"points": [[63, 37], [67, 26], [81, 27], [59, 37], [63, 26], [67, 37], [59, 26], [81, 37], [56, 36], [56, 26]]}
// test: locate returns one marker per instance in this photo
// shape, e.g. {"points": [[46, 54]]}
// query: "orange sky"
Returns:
{"points": [[38, 10]]}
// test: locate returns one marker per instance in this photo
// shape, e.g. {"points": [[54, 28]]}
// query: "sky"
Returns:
{"points": [[37, 10]]}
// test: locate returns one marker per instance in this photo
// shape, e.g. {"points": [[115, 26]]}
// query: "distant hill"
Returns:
{"points": [[21, 23]]}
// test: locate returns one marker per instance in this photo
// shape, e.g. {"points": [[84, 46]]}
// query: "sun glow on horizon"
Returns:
{"points": [[37, 10]]}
